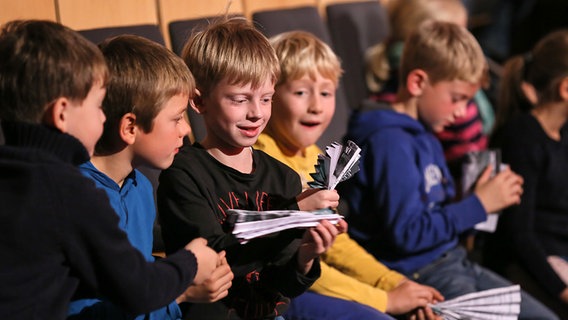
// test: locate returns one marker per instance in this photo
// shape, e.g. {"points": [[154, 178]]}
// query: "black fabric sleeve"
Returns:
{"points": [[526, 157], [186, 212], [100, 254]]}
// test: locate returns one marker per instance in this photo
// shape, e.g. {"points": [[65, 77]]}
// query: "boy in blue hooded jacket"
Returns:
{"points": [[400, 205]]}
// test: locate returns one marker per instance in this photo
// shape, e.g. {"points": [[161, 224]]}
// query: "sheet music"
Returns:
{"points": [[247, 225], [338, 164], [493, 304], [473, 166]]}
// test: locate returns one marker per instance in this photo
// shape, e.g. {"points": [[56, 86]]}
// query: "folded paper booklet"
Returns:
{"points": [[338, 164], [247, 225], [473, 166], [493, 304]]}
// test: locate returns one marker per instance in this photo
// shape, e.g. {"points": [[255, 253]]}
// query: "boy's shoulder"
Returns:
{"points": [[383, 124], [269, 161], [373, 104], [45, 173], [189, 155]]}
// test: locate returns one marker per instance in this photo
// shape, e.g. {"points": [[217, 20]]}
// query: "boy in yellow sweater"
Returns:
{"points": [[358, 286]]}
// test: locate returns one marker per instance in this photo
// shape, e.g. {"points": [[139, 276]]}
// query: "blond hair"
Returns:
{"points": [[301, 53], [445, 51], [231, 49], [404, 17]]}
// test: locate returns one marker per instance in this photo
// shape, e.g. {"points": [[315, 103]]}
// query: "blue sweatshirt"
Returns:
{"points": [[399, 203], [134, 205]]}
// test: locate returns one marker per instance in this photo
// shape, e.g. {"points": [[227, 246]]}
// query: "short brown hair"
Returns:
{"points": [[543, 67], [41, 61], [231, 49], [144, 76], [301, 53], [445, 51]]}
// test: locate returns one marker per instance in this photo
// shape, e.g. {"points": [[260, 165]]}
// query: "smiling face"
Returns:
{"points": [[235, 114], [302, 110], [441, 103], [158, 147]]}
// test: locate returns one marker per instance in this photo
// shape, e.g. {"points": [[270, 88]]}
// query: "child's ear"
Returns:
{"points": [[127, 128], [56, 115], [563, 89], [416, 80], [530, 92], [197, 103]]}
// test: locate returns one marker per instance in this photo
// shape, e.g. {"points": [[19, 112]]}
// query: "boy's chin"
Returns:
{"points": [[437, 128]]}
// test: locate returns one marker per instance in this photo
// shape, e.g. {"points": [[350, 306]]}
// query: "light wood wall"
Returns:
{"points": [[89, 14], [27, 9]]}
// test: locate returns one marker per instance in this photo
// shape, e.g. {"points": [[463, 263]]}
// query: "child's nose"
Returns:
{"points": [[315, 105], [255, 110], [461, 110], [185, 128]]}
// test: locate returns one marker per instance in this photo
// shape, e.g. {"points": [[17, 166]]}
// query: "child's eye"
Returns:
{"points": [[457, 99], [327, 94], [266, 100], [239, 101], [301, 93]]}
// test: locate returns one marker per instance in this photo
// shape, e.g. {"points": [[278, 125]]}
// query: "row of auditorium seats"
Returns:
{"points": [[349, 28]]}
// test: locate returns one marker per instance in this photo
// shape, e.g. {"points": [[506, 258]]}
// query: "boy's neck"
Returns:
{"points": [[239, 159], [406, 104], [116, 166]]}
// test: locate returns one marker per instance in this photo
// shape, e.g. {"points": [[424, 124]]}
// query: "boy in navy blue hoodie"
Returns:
{"points": [[400, 201]]}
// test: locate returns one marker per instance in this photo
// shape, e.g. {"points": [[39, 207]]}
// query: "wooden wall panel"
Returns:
{"points": [[88, 14], [27, 9]]}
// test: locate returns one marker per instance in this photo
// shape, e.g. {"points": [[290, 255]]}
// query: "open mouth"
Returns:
{"points": [[250, 131], [310, 124]]}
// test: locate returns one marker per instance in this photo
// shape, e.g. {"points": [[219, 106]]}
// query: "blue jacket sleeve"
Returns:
{"points": [[417, 219]]}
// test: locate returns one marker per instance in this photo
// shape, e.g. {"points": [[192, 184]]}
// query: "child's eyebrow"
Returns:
{"points": [[182, 109]]}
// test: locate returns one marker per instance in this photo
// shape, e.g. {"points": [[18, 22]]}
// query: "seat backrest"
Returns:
{"points": [[252, 6], [307, 19], [180, 30], [354, 27], [273, 22], [149, 31]]}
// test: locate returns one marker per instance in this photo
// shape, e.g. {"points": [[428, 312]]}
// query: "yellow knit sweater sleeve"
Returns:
{"points": [[333, 283], [350, 273]]}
